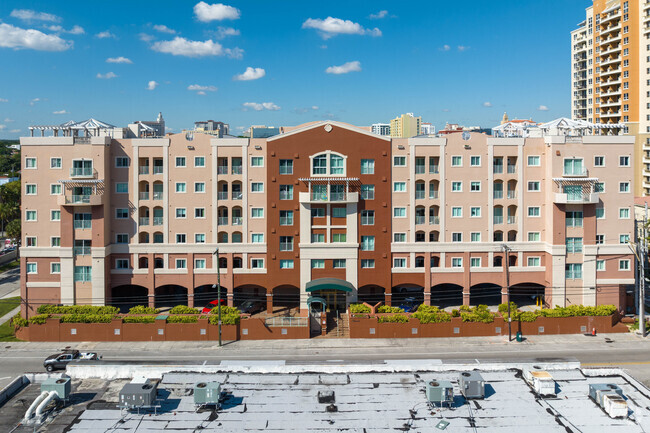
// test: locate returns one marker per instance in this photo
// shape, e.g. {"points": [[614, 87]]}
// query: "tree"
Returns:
{"points": [[13, 230]]}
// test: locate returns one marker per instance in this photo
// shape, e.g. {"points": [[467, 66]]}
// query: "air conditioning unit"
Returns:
{"points": [[471, 384], [207, 393], [541, 381], [440, 391], [62, 386], [609, 396], [138, 393]]}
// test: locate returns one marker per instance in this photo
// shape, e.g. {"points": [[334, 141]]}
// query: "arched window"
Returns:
{"points": [[236, 238], [498, 261], [158, 263], [336, 165], [223, 263], [143, 262], [222, 238], [419, 262], [236, 263], [320, 164], [328, 163]]}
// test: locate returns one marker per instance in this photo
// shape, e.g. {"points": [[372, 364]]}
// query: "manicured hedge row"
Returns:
{"points": [[76, 309]]}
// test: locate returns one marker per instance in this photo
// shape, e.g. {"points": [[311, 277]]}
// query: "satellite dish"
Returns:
{"points": [[466, 136]]}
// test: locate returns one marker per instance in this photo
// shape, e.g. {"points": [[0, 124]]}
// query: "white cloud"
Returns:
{"points": [[8, 120], [330, 27], [145, 37], [487, 104], [18, 38], [31, 15], [76, 30], [2, 127], [183, 47], [201, 90], [151, 85], [15, 131], [118, 60], [215, 12], [34, 101], [224, 32], [314, 107], [462, 48], [106, 76], [164, 29], [305, 110], [344, 68], [445, 48], [60, 112], [542, 108], [379, 15], [250, 74], [257, 106], [105, 34], [4, 100], [445, 110]]}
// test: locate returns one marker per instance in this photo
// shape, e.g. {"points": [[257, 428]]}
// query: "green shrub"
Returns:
{"points": [[87, 318], [184, 309], [139, 319], [387, 309], [359, 309], [432, 317], [226, 319], [526, 316], [422, 308], [479, 313], [225, 310], [635, 326], [182, 319], [395, 318], [141, 309], [503, 308], [19, 321], [579, 310], [465, 308], [77, 309], [455, 313], [39, 319]]}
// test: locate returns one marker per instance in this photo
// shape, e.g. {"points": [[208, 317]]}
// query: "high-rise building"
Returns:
{"points": [[380, 129], [610, 77], [326, 209], [405, 126], [218, 129], [427, 129]]}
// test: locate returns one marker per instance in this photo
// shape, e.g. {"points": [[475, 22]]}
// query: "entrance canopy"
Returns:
{"points": [[329, 283], [316, 300]]}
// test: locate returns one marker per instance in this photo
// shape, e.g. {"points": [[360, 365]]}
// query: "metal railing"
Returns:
{"points": [[284, 221], [157, 221], [157, 195], [319, 196], [419, 195], [77, 198], [512, 194], [497, 194], [222, 221], [143, 169], [576, 171], [433, 194], [82, 172], [419, 169], [222, 195], [433, 169], [434, 219], [419, 219], [236, 195], [512, 168], [81, 251], [157, 169], [497, 168], [286, 322], [81, 140], [498, 219], [82, 224], [512, 220], [236, 169], [237, 221], [144, 221], [144, 195], [222, 169]]}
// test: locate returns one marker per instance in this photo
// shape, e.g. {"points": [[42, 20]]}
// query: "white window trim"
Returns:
{"points": [[395, 208], [176, 162], [35, 167], [539, 258], [628, 160], [600, 156], [361, 166], [257, 192], [55, 237], [259, 260], [176, 187], [460, 259], [256, 166], [200, 260], [457, 233], [199, 234], [56, 168], [479, 212], [57, 184], [533, 216], [35, 268], [255, 234], [52, 270], [177, 262], [368, 261], [128, 264], [475, 233], [399, 156], [400, 182], [35, 188], [604, 262], [451, 161], [628, 213], [539, 161], [199, 192], [117, 235], [528, 236], [533, 190], [199, 218], [257, 217], [621, 261], [288, 261], [480, 161], [457, 207], [395, 259], [176, 213], [480, 187], [399, 233], [199, 166], [629, 189], [604, 187], [55, 210], [623, 234], [471, 259], [35, 241], [180, 234], [451, 186], [35, 215]]}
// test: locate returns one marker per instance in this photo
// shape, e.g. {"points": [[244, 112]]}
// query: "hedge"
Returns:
{"points": [[480, 313], [139, 319], [19, 321], [182, 319], [395, 318], [38, 319], [579, 310], [76, 309], [225, 310], [226, 319], [184, 309], [87, 318], [359, 309], [141, 309], [387, 309]]}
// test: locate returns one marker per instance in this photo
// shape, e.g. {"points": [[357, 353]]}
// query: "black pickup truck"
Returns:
{"points": [[61, 360]]}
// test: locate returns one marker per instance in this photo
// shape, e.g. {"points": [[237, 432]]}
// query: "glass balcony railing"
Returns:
{"points": [[222, 195], [419, 195], [222, 169], [82, 172], [143, 169], [157, 195], [144, 196], [237, 221], [433, 169], [81, 251], [512, 194], [497, 169], [512, 169], [236, 169], [512, 220], [419, 169], [434, 219], [236, 195], [144, 221], [157, 221], [419, 219], [222, 221], [82, 224], [498, 219], [433, 194], [157, 169], [497, 194]]}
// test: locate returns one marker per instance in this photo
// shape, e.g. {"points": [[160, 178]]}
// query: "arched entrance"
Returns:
{"points": [[371, 294], [207, 293], [248, 292], [402, 292], [527, 294], [170, 296], [485, 293], [333, 290], [286, 299], [129, 295], [447, 295]]}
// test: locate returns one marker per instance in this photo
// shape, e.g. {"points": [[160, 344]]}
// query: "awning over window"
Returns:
{"points": [[316, 300], [329, 283]]}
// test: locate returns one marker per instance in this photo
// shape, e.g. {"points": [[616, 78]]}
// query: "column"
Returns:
{"points": [[269, 301]]}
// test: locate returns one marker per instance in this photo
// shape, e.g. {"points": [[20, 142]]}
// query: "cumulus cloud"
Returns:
{"points": [[31, 15], [215, 12], [76, 30], [34, 101], [542, 108], [314, 107], [184, 47], [224, 32], [462, 48], [18, 38], [250, 74], [164, 29], [3, 127], [379, 15], [151, 85], [118, 60], [106, 76], [257, 106], [201, 90], [445, 48], [445, 110], [330, 27], [60, 112], [487, 104], [104, 35], [145, 37], [344, 68]]}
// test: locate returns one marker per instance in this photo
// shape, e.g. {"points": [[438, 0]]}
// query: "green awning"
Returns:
{"points": [[316, 299], [329, 284]]}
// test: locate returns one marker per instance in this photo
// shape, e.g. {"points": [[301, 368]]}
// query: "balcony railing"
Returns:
{"points": [[284, 221], [576, 171], [434, 219], [497, 194], [497, 168], [236, 195], [222, 169], [512, 194], [419, 219], [157, 195], [512, 169], [157, 169], [222, 221], [157, 221], [498, 219], [222, 195], [81, 251], [144, 221], [512, 220], [419, 195], [433, 169], [419, 169], [589, 198], [143, 169], [433, 194], [335, 196], [78, 199], [82, 172], [236, 169], [144, 195], [82, 224], [237, 221]]}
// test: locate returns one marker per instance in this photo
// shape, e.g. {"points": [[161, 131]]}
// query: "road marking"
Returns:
{"points": [[7, 377], [205, 362]]}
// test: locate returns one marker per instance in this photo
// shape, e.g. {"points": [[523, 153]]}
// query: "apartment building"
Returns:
{"points": [[380, 128], [405, 126], [610, 79], [326, 210]]}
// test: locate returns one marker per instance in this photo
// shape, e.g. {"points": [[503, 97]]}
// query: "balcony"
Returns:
{"points": [[497, 168], [419, 169], [498, 219], [433, 194], [222, 221], [610, 61], [82, 224], [612, 114], [433, 169], [585, 198], [144, 221], [236, 169], [434, 219], [512, 169], [237, 195], [497, 194], [222, 169], [143, 169], [237, 221], [512, 194], [157, 169], [512, 219], [83, 173], [576, 172], [81, 251], [157, 195], [338, 197], [419, 195], [419, 219], [157, 221], [80, 200], [143, 196]]}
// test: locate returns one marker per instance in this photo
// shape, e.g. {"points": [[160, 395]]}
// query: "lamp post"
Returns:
{"points": [[216, 253], [506, 249]]}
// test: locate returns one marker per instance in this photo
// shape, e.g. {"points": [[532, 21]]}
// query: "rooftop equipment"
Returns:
{"points": [[471, 384], [609, 396], [541, 381], [207, 393], [440, 391], [139, 393], [62, 386]]}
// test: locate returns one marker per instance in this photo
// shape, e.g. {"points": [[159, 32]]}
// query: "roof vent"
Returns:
{"points": [[326, 396]]}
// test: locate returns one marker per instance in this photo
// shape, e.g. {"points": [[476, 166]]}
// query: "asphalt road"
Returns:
{"points": [[10, 283]]}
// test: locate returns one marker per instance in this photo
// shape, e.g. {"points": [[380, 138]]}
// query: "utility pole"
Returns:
{"points": [[643, 247], [506, 249], [216, 253]]}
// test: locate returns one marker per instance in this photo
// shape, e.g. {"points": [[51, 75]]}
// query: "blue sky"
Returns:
{"points": [[356, 61]]}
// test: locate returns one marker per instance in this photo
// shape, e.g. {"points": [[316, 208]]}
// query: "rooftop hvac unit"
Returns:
{"points": [[440, 391], [207, 393], [62, 386], [471, 384], [541, 381], [138, 393], [614, 404], [597, 389]]}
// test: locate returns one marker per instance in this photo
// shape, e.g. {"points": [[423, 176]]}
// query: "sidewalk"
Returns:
{"points": [[9, 315]]}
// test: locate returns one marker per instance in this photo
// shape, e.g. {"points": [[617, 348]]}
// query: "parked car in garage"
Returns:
{"points": [[410, 305], [212, 304], [252, 307]]}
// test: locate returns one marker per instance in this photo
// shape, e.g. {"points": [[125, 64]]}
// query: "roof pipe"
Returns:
{"points": [[41, 407], [32, 407]]}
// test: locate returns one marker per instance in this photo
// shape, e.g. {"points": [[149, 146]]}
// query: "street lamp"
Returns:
{"points": [[506, 249], [218, 287]]}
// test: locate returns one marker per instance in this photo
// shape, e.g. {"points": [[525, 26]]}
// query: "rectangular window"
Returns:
{"points": [[367, 166], [181, 238], [574, 218], [181, 264], [399, 186], [199, 238], [399, 161], [623, 265], [475, 237], [286, 192], [286, 217], [258, 212], [368, 192], [367, 264], [286, 243], [475, 212], [623, 161], [399, 212], [180, 187], [338, 212], [457, 237], [121, 214], [600, 265], [475, 262], [475, 161], [600, 213], [533, 211], [456, 262], [624, 239], [32, 268], [599, 187], [367, 243], [624, 187], [533, 236], [318, 212], [199, 161], [600, 239], [457, 186], [257, 161], [55, 162], [181, 212], [199, 212], [55, 241], [30, 241], [55, 215], [83, 273], [286, 264], [180, 161], [534, 161], [533, 186], [257, 187], [475, 186], [199, 187], [121, 263], [456, 212], [55, 189], [286, 166], [573, 271], [30, 215], [257, 238], [574, 167], [399, 237], [338, 237], [367, 217], [573, 245], [257, 263], [122, 188], [317, 238], [399, 262], [30, 163], [30, 189], [338, 263], [317, 264], [456, 161], [599, 161], [122, 162], [199, 263], [534, 261], [624, 213], [55, 268]]}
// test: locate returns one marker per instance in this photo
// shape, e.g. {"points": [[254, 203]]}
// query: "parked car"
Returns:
{"points": [[410, 305], [61, 360], [212, 304], [252, 307]]}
